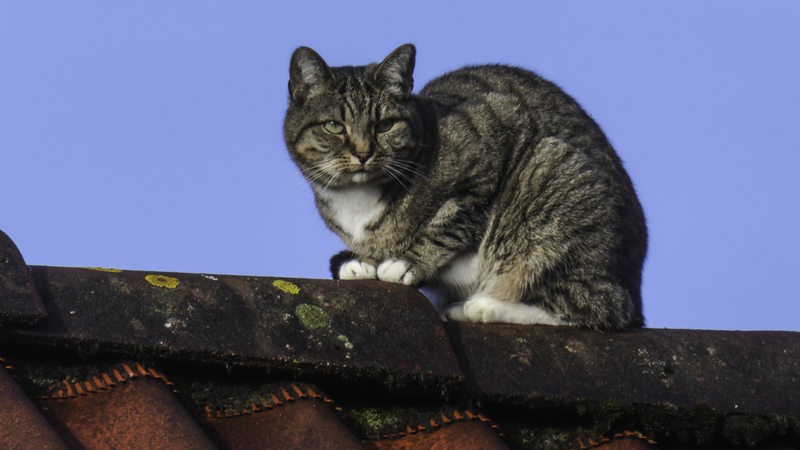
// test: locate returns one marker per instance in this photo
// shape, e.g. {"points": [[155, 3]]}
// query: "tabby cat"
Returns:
{"points": [[490, 185]]}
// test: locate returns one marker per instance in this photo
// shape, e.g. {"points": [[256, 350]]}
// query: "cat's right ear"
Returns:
{"points": [[308, 74]]}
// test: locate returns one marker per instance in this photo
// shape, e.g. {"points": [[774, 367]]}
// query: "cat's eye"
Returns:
{"points": [[333, 127], [384, 125]]}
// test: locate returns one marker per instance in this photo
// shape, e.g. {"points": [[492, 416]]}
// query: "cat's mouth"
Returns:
{"points": [[364, 174], [361, 176]]}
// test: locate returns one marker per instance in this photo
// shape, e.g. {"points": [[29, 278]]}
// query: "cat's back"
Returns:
{"points": [[472, 82], [515, 96]]}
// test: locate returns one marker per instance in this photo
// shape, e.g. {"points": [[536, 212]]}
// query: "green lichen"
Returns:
{"points": [[346, 341], [368, 422], [287, 286], [312, 317]]}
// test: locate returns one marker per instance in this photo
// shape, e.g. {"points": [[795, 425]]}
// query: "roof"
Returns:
{"points": [[97, 358]]}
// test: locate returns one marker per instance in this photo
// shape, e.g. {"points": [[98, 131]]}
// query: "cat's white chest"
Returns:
{"points": [[354, 208]]}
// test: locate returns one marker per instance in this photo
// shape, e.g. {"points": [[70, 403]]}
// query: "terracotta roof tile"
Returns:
{"points": [[140, 359], [304, 423], [140, 414], [23, 425]]}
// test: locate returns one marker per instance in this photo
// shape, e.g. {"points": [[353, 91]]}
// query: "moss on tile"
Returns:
{"points": [[312, 317]]}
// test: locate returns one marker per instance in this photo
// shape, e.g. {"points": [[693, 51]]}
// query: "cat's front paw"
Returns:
{"points": [[397, 271], [357, 270]]}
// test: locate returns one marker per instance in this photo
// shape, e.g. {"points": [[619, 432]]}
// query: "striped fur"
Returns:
{"points": [[490, 184]]}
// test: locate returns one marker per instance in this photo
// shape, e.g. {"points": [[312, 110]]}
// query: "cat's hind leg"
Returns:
{"points": [[486, 309], [497, 301]]}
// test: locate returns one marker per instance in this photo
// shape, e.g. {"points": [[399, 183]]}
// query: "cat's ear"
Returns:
{"points": [[308, 74], [395, 73]]}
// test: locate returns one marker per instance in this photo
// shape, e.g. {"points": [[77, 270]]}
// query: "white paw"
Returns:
{"points": [[357, 270], [455, 312], [396, 271], [482, 308]]}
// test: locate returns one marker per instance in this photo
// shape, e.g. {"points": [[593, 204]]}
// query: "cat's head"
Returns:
{"points": [[352, 125]]}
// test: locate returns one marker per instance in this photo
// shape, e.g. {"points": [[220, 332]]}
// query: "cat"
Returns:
{"points": [[490, 185]]}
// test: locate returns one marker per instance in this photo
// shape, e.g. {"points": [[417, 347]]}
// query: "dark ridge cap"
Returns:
{"points": [[19, 301], [738, 372], [353, 330]]}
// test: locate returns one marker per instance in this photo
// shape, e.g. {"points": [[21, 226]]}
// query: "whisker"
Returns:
{"points": [[314, 173], [395, 174], [411, 167]]}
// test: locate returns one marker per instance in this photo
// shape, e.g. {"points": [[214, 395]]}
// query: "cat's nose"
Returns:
{"points": [[363, 151], [363, 157]]}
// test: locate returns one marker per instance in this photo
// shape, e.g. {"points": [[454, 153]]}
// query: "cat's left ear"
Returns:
{"points": [[308, 74], [395, 73]]}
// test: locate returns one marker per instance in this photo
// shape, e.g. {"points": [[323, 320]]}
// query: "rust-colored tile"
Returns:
{"points": [[302, 424], [466, 435], [625, 444], [21, 424], [142, 413]]}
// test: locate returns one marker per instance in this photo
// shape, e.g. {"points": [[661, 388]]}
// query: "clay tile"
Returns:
{"points": [[312, 393], [140, 414], [302, 424], [21, 423], [142, 371], [127, 370], [288, 397], [300, 393]]}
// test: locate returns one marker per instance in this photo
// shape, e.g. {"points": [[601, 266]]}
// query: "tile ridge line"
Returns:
{"points": [[103, 381], [279, 395], [457, 415], [588, 443]]}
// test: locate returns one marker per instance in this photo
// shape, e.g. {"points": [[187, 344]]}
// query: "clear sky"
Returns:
{"points": [[147, 135]]}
